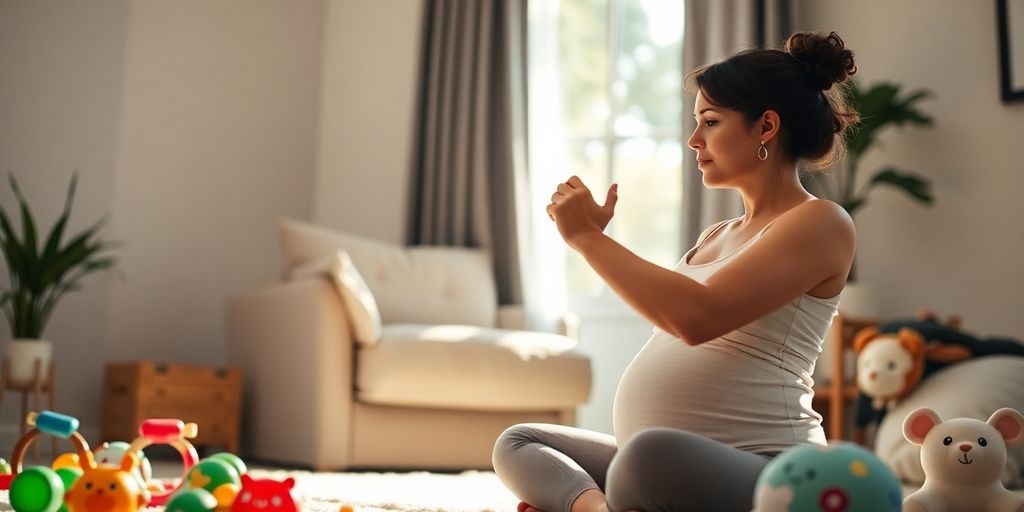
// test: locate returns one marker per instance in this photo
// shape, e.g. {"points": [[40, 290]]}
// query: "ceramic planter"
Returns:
{"points": [[23, 353]]}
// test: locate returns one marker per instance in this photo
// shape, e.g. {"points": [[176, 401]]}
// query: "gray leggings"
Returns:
{"points": [[660, 469]]}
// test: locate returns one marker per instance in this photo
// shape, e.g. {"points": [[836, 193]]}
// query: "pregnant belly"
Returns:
{"points": [[710, 390]]}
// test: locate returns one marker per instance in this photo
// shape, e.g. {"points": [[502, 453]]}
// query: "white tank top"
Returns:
{"points": [[750, 388]]}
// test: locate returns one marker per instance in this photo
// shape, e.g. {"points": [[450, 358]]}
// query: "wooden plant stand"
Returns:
{"points": [[39, 384]]}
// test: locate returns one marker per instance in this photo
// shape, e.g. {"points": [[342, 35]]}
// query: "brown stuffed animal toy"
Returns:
{"points": [[893, 358], [888, 365]]}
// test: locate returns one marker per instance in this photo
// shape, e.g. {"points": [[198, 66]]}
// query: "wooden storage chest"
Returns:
{"points": [[208, 396]]}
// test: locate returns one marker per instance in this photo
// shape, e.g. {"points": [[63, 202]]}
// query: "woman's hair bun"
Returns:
{"points": [[824, 57]]}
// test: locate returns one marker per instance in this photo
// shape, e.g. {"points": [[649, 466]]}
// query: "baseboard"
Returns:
{"points": [[11, 433]]}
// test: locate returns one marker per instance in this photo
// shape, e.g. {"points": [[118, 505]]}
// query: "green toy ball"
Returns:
{"points": [[209, 474], [192, 500], [233, 460], [37, 489], [842, 477], [68, 476]]}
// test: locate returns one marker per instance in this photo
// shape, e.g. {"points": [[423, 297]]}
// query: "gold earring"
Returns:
{"points": [[762, 152]]}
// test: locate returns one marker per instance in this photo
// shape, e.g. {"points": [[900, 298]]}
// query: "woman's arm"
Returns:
{"points": [[804, 247]]}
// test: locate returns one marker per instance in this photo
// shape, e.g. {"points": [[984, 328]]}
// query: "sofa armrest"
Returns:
{"points": [[293, 344], [513, 318]]}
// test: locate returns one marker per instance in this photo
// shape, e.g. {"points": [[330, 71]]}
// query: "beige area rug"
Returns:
{"points": [[472, 491]]}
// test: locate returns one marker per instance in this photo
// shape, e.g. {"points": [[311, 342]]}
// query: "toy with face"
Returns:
{"points": [[888, 365], [112, 453], [963, 459], [106, 488], [265, 495], [842, 477]]}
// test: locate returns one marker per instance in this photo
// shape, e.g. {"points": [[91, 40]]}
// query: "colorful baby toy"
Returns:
{"points": [[118, 478], [841, 477], [107, 487], [171, 432], [40, 488], [265, 495], [216, 476], [110, 480], [963, 459], [113, 452]]}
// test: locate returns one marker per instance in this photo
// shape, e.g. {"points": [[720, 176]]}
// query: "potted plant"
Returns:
{"points": [[40, 274], [880, 106]]}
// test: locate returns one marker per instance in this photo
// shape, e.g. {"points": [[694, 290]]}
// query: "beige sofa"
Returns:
{"points": [[428, 380]]}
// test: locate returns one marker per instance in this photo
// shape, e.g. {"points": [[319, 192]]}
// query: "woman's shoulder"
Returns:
{"points": [[819, 218], [823, 209]]}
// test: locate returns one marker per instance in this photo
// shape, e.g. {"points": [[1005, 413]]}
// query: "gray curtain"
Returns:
{"points": [[464, 159], [715, 30]]}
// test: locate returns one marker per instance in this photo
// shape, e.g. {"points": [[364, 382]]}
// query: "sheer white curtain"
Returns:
{"points": [[544, 257]]}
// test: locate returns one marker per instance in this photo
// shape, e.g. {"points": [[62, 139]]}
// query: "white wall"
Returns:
{"points": [[194, 126], [963, 254], [60, 89], [218, 132], [371, 54]]}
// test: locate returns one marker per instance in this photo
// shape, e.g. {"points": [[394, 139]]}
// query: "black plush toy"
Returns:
{"points": [[893, 358]]}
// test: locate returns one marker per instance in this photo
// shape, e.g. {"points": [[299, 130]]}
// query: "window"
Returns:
{"points": [[605, 93]]}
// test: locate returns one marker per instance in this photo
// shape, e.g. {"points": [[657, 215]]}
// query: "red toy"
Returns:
{"points": [[265, 495]]}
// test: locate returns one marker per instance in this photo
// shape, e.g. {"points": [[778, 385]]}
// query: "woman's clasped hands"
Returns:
{"points": [[576, 213]]}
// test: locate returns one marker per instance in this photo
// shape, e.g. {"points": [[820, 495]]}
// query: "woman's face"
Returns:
{"points": [[725, 143]]}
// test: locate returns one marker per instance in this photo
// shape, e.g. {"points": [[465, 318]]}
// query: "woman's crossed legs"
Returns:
{"points": [[659, 469]]}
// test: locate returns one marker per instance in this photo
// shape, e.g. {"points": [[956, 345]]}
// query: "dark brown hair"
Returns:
{"points": [[804, 83]]}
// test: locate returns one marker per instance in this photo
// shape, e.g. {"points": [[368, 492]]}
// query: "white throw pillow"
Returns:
{"points": [[416, 285], [972, 389], [303, 243], [363, 314]]}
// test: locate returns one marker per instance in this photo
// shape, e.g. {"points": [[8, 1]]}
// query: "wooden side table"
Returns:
{"points": [[42, 382], [208, 396]]}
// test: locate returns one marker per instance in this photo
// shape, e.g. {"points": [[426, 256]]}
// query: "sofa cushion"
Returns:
{"points": [[464, 367], [423, 284], [363, 315]]}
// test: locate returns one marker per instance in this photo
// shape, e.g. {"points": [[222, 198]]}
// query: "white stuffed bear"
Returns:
{"points": [[963, 459]]}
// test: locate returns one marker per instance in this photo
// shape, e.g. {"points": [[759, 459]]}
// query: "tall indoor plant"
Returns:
{"points": [[40, 275], [880, 106]]}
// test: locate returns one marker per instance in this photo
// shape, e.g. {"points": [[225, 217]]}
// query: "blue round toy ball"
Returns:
{"points": [[842, 477]]}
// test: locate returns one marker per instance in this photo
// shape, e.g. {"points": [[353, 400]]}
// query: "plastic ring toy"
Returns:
{"points": [[46, 422], [171, 432]]}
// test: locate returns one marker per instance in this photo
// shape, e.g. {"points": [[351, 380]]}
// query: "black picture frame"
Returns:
{"points": [[1010, 91]]}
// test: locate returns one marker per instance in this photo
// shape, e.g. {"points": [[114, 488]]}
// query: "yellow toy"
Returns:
{"points": [[106, 487]]}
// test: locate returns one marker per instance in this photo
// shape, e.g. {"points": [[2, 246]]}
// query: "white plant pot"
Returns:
{"points": [[23, 353]]}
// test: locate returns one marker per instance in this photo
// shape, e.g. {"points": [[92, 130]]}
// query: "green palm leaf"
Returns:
{"points": [[40, 278], [53, 241], [912, 184], [29, 250], [77, 251], [881, 106]]}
